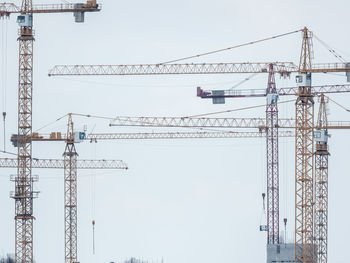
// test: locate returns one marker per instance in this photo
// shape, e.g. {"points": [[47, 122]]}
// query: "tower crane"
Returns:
{"points": [[272, 155], [272, 164], [95, 137], [70, 165], [321, 184], [304, 118], [321, 155], [256, 93], [24, 194], [286, 126]]}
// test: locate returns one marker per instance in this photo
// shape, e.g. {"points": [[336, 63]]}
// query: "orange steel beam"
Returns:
{"points": [[304, 160]]}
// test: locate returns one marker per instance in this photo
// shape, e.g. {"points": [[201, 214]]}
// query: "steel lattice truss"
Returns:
{"points": [[304, 178], [283, 68], [93, 137], [164, 69], [7, 8], [321, 204], [24, 193], [70, 203], [272, 165], [321, 185], [59, 164], [258, 123], [233, 93], [181, 135]]}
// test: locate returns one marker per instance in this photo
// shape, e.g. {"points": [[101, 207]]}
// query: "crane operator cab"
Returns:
{"points": [[303, 80], [25, 20], [321, 136]]}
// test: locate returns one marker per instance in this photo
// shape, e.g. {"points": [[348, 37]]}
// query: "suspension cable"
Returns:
{"points": [[239, 109], [43, 127], [330, 49], [4, 74], [338, 104], [233, 47]]}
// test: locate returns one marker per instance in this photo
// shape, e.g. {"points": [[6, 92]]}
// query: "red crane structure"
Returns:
{"points": [[272, 164]]}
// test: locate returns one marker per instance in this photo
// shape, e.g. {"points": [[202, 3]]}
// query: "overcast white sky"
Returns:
{"points": [[184, 201]]}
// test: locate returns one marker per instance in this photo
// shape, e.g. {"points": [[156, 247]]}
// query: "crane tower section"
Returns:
{"points": [[304, 158], [24, 191], [321, 184], [272, 160]]}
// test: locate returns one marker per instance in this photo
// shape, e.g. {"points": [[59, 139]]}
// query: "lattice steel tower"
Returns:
{"points": [[70, 196], [304, 157], [272, 160], [24, 180], [321, 184]]}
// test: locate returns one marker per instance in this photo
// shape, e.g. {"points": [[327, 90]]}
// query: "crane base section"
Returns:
{"points": [[278, 253]]}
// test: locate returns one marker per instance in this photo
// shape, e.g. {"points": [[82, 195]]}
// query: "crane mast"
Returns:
{"points": [[24, 181], [70, 196], [304, 158], [321, 184], [272, 156], [272, 167]]}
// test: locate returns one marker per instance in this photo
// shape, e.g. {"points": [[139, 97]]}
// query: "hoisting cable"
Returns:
{"points": [[263, 217], [9, 153], [93, 200], [233, 47], [43, 127], [338, 104], [330, 49], [285, 220], [4, 74], [93, 237], [243, 81], [239, 109], [4, 120]]}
